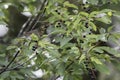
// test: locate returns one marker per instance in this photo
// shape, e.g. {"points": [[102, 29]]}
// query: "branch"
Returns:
{"points": [[26, 24], [38, 17], [31, 22], [18, 66], [24, 62], [16, 54]]}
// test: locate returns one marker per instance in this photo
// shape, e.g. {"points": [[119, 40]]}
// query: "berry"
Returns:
{"points": [[88, 10], [35, 41], [57, 26], [81, 41], [108, 2], [63, 21], [86, 2], [91, 30], [83, 4], [56, 10], [86, 25], [84, 36], [34, 48], [84, 8], [90, 33], [87, 68], [58, 13], [60, 20], [58, 23]]}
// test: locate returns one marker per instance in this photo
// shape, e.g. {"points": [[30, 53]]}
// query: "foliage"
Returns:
{"points": [[63, 38]]}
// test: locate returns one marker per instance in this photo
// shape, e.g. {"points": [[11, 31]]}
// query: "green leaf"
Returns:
{"points": [[64, 41], [94, 2], [43, 44], [75, 24], [53, 53], [102, 68], [102, 30], [106, 10], [104, 1], [61, 68], [68, 4], [109, 50], [75, 50], [11, 47], [93, 26], [96, 60], [98, 50], [84, 14], [92, 36], [110, 29], [102, 37], [104, 19], [81, 58], [116, 35], [34, 37], [93, 14]]}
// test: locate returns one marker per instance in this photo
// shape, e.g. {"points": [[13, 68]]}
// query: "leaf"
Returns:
{"points": [[102, 68], [109, 50], [106, 10], [53, 53], [61, 68], [75, 24], [92, 36], [110, 29], [68, 4], [43, 43], [84, 14], [97, 61], [75, 50], [117, 13], [11, 47], [93, 14], [116, 35], [109, 13], [64, 41], [19, 77], [57, 31], [102, 37], [93, 26], [104, 1], [81, 58], [104, 19], [102, 30], [98, 50], [94, 2], [6, 74], [2, 55], [34, 37]]}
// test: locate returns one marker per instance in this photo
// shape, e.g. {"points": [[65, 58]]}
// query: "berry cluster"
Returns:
{"points": [[91, 70], [34, 48]]}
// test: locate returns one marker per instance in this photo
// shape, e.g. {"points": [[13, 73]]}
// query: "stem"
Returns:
{"points": [[3, 70]]}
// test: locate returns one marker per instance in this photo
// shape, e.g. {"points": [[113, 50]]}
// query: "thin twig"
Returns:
{"points": [[26, 24], [25, 61], [31, 22], [37, 18], [16, 54]]}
